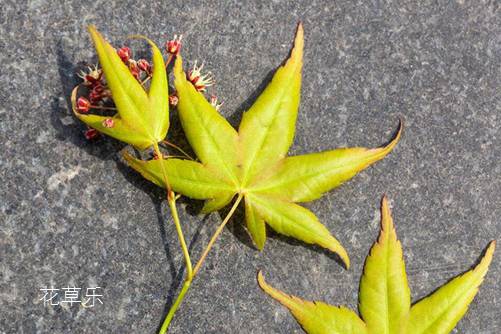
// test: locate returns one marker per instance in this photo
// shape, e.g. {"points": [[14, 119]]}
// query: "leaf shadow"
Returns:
{"points": [[310, 247], [471, 267], [61, 116], [177, 278], [236, 227], [235, 117], [176, 134]]}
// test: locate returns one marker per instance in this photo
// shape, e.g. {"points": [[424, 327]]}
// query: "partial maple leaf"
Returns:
{"points": [[142, 119], [253, 162], [385, 303]]}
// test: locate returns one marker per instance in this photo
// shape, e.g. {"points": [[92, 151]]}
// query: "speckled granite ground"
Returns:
{"points": [[73, 215]]}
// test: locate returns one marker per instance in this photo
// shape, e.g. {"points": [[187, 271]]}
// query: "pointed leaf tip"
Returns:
{"points": [[489, 253], [284, 299], [441, 311], [386, 218], [299, 39], [396, 138], [260, 279], [276, 294], [385, 296], [178, 67], [316, 317]]}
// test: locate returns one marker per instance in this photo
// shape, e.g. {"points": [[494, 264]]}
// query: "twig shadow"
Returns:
{"points": [[235, 117], [177, 277], [297, 243]]}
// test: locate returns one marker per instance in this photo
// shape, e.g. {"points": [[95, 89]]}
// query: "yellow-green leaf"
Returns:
{"points": [[144, 117], [385, 297], [158, 114], [307, 177], [185, 176], [440, 312], [317, 317], [213, 139], [384, 300], [255, 224], [120, 130], [295, 221], [252, 162], [267, 128]]}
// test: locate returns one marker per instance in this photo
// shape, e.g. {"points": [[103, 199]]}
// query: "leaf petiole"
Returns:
{"points": [[189, 277], [171, 198], [168, 143], [217, 233]]}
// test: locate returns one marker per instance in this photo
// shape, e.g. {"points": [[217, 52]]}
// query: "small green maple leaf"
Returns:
{"points": [[143, 117], [253, 162], [385, 296]]}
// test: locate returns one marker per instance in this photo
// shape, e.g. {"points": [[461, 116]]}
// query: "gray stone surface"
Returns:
{"points": [[71, 214]]}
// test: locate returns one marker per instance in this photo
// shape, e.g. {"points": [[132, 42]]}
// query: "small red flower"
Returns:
{"points": [[83, 105], [96, 94], [91, 134], [92, 76], [174, 46], [95, 97], [124, 53], [134, 69], [173, 100], [108, 123], [198, 80], [144, 65]]}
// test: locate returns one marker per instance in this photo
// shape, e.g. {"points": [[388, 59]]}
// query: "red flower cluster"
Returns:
{"points": [[93, 80], [136, 67], [144, 66]]}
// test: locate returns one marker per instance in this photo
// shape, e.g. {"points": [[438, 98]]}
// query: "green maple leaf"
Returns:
{"points": [[253, 162], [385, 296], [143, 117]]}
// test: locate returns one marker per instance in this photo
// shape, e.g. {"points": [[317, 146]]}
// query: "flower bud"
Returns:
{"points": [[134, 69], [96, 94], [83, 105], [144, 65], [173, 100], [91, 134], [124, 53], [108, 123]]}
